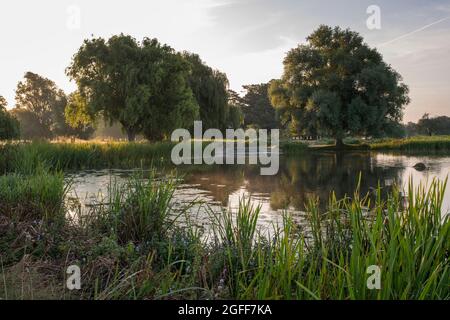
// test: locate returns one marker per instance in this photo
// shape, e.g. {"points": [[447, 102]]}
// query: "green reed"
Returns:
{"points": [[36, 197], [420, 143], [73, 156], [409, 242]]}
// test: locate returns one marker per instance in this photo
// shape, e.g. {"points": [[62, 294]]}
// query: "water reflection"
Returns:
{"points": [[300, 177]]}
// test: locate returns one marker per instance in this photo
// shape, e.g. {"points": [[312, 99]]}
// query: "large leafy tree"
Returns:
{"points": [[40, 105], [78, 117], [257, 109], [9, 126], [141, 85], [209, 87], [335, 84]]}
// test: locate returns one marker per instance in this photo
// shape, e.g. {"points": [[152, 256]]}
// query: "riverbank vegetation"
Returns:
{"points": [[84, 155], [419, 143], [124, 155], [139, 244]]}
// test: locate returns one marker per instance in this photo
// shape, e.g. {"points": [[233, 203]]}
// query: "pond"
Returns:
{"points": [[299, 178]]}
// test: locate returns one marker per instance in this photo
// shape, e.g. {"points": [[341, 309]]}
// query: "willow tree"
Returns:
{"points": [[336, 85], [210, 89], [141, 85]]}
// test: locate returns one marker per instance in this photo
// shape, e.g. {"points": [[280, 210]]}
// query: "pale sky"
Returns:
{"points": [[246, 39]]}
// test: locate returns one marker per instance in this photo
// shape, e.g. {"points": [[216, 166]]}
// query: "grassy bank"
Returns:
{"points": [[25, 157], [422, 143], [413, 144], [132, 248], [73, 156]]}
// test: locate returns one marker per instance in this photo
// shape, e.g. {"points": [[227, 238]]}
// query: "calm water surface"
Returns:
{"points": [[299, 177]]}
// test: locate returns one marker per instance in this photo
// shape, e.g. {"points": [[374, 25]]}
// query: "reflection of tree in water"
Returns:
{"points": [[219, 180], [320, 174], [299, 177]]}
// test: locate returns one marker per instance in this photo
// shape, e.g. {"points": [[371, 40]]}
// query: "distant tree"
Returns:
{"points": [[412, 129], [40, 107], [235, 117], [395, 130], [234, 98], [9, 126], [209, 87], [78, 117], [29, 124], [257, 108], [141, 85], [337, 85], [106, 130], [433, 125]]}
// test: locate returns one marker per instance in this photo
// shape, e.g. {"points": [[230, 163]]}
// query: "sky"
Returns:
{"points": [[246, 39]]}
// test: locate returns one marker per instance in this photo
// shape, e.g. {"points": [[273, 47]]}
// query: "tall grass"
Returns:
{"points": [[72, 156], [32, 197], [420, 143], [409, 242], [293, 147], [141, 208]]}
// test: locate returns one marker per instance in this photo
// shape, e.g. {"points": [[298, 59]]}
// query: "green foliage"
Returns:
{"points": [[9, 125], [292, 147], [235, 117], [141, 209], [336, 85], [430, 126], [77, 116], [141, 85], [131, 248], [40, 107], [210, 91], [72, 156], [418, 143], [394, 130], [32, 197], [257, 109]]}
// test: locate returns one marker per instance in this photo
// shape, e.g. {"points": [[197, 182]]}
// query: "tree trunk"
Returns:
{"points": [[339, 143], [131, 136]]}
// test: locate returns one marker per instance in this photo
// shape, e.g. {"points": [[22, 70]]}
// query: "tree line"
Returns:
{"points": [[145, 86], [333, 85]]}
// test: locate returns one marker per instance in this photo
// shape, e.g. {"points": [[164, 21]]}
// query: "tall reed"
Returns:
{"points": [[408, 242]]}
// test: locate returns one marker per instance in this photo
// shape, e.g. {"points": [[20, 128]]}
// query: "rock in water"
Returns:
{"points": [[420, 166]]}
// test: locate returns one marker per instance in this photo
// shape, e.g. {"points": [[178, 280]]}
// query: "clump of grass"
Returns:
{"points": [[293, 147], [32, 197], [141, 209], [419, 143]]}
